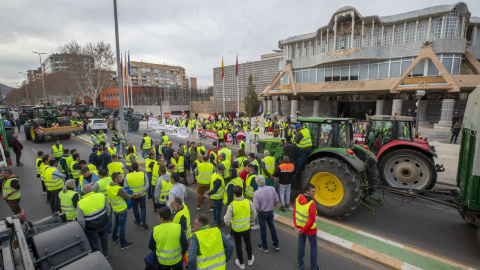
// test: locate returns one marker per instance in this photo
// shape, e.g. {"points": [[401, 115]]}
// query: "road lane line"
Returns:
{"points": [[34, 150], [406, 266], [393, 243]]}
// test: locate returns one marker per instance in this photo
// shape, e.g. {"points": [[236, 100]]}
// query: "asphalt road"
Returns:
{"points": [[35, 206]]}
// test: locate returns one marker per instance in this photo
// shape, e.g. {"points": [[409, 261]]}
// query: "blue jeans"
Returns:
{"points": [[97, 239], [265, 218], [142, 201], [151, 187], [217, 210], [301, 156], [118, 150], [110, 216], [302, 240], [120, 223], [145, 152]]}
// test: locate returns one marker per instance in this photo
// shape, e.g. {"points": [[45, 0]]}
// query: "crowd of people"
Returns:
{"points": [[99, 190]]}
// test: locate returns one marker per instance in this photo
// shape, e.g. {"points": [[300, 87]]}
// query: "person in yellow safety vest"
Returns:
{"points": [[86, 177], [92, 215], [162, 188], [256, 131], [209, 247], [228, 152], [181, 215], [267, 167], [304, 143], [70, 158], [204, 173], [146, 145], [155, 172], [217, 187], [75, 167], [282, 127], [116, 166], [236, 181], [241, 159], [250, 184], [69, 198], [57, 150], [112, 151], [168, 244], [72, 122], [63, 164], [222, 160], [38, 167], [123, 142], [117, 197], [179, 162], [157, 150], [159, 120], [304, 220], [54, 182], [94, 139], [137, 181], [149, 162], [131, 158], [101, 187], [11, 191], [102, 138], [220, 134], [240, 212], [265, 125], [164, 139]]}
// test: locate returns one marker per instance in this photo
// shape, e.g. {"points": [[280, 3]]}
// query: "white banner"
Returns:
{"points": [[183, 132], [172, 130], [153, 123]]}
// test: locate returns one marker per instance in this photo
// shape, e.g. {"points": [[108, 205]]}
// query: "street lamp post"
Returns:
{"points": [[26, 83], [119, 70], [43, 78]]}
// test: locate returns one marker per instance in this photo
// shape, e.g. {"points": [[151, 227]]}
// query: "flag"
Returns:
{"points": [[232, 115], [125, 65], [121, 67], [236, 67], [129, 63], [223, 74], [260, 109]]}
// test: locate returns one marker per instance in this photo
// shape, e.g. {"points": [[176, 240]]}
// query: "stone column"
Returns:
{"points": [[397, 106], [330, 108], [379, 107], [293, 109], [422, 111], [269, 105], [278, 107], [446, 115], [316, 108]]}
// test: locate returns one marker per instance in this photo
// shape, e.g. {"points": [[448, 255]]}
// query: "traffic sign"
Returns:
{"points": [[183, 113], [166, 114]]}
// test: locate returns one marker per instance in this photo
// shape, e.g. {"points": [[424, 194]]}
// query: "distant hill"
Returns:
{"points": [[5, 89]]}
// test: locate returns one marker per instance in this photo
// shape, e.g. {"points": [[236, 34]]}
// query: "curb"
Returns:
{"points": [[374, 255]]}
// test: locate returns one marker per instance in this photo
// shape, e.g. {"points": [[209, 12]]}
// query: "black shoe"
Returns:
{"points": [[136, 223], [144, 225], [261, 248], [128, 245]]}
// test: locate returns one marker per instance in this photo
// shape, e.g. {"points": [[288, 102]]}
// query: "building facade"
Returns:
{"points": [[59, 62], [149, 74], [357, 65], [262, 72], [34, 75]]}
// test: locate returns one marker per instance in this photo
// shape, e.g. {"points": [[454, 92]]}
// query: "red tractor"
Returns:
{"points": [[403, 161]]}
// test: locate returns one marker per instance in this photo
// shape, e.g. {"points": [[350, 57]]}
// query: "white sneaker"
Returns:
{"points": [[255, 227], [241, 266], [250, 262], [229, 236]]}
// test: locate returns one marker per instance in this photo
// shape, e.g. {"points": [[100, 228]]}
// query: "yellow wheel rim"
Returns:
{"points": [[32, 132], [329, 189]]}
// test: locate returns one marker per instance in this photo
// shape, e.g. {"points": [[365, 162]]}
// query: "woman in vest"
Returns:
{"points": [[69, 199], [131, 158]]}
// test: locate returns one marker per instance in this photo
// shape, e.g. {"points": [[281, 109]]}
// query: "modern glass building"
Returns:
{"points": [[357, 65]]}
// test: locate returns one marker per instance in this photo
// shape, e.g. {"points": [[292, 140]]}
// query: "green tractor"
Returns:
{"points": [[114, 120], [341, 178], [47, 122]]}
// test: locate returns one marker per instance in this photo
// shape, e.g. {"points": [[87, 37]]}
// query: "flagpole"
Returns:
{"points": [[223, 82], [130, 80], [238, 90]]}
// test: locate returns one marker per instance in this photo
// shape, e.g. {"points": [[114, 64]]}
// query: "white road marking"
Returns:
{"points": [[35, 151], [334, 240], [390, 242], [407, 266]]}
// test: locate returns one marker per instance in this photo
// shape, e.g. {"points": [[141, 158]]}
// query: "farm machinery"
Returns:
{"points": [[47, 122], [114, 120]]}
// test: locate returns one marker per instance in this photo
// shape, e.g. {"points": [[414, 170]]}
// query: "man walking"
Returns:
{"points": [[209, 247], [117, 197], [146, 145], [92, 215], [137, 181], [204, 174], [217, 187], [264, 200], [17, 148], [11, 191], [304, 215], [240, 213], [285, 174]]}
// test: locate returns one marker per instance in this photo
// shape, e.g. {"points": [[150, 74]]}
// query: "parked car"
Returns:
{"points": [[96, 124]]}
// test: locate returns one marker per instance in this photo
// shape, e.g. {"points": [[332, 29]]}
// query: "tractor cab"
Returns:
{"points": [[383, 129], [329, 132]]}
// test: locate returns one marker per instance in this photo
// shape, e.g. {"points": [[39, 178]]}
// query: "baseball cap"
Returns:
{"points": [[297, 126], [221, 167]]}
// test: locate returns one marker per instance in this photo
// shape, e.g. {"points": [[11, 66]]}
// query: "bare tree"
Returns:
{"points": [[90, 67]]}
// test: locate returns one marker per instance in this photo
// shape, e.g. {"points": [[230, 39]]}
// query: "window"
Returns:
{"points": [[328, 74], [432, 69], [326, 136], [451, 24], [383, 70], [307, 49], [336, 74], [314, 45], [345, 73], [419, 69], [436, 28], [403, 131], [363, 73], [378, 37], [294, 51], [422, 30], [330, 44], [358, 41], [399, 34], [306, 75], [324, 44], [298, 76], [395, 68], [343, 42], [447, 62], [320, 75], [387, 32], [406, 62], [456, 65], [410, 35], [373, 71], [367, 38], [313, 75], [353, 72]]}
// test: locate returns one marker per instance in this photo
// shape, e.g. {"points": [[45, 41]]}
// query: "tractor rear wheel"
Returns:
{"points": [[135, 125], [373, 176], [26, 130], [407, 168], [469, 218], [338, 189], [35, 136]]}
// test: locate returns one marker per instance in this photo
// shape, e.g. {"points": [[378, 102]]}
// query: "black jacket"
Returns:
{"points": [[290, 150]]}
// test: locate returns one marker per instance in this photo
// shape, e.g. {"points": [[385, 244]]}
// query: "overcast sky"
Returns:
{"points": [[194, 34]]}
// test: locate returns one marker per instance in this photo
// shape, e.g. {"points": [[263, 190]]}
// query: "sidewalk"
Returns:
{"points": [[373, 247]]}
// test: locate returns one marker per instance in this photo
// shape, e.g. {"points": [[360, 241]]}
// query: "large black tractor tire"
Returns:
{"points": [[135, 125], [469, 218], [406, 168], [111, 124], [373, 176], [10, 132], [26, 130], [338, 189]]}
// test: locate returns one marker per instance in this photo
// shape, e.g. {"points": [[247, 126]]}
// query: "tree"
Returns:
{"points": [[90, 67], [251, 99]]}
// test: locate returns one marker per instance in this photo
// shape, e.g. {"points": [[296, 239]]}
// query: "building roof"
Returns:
{"points": [[420, 13]]}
